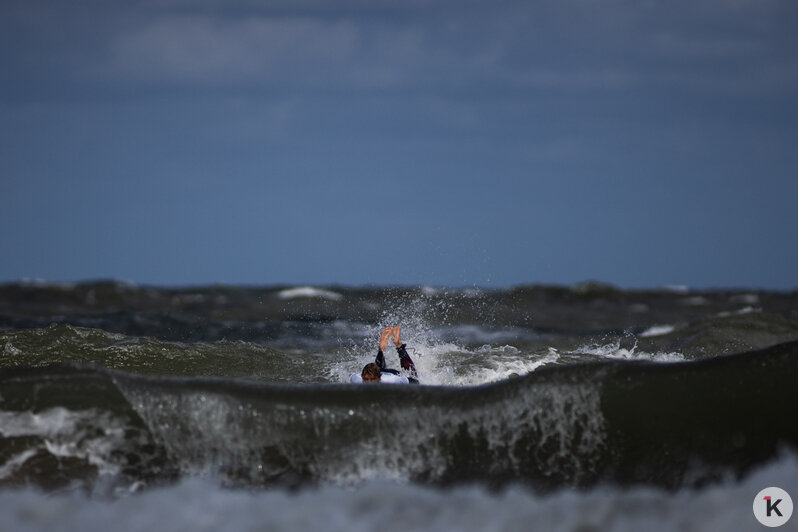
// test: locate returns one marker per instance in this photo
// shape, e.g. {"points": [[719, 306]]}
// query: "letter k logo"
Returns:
{"points": [[772, 506]]}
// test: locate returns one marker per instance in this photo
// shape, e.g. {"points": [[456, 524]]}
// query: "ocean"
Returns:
{"points": [[583, 407]]}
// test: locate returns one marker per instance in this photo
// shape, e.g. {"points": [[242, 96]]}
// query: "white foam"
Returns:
{"points": [[744, 310], [748, 310], [200, 505], [430, 291], [308, 291], [657, 330], [748, 299], [10, 350], [615, 351], [46, 424], [10, 466], [89, 435], [677, 288], [499, 366]]}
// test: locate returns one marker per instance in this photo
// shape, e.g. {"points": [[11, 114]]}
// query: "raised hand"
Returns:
{"points": [[386, 333], [396, 339]]}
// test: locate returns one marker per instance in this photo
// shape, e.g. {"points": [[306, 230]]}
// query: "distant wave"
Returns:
{"points": [[308, 291]]}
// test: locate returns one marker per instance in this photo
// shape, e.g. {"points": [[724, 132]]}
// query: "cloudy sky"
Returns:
{"points": [[400, 142]]}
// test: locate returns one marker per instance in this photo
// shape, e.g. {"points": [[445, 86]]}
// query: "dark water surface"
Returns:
{"points": [[109, 388]]}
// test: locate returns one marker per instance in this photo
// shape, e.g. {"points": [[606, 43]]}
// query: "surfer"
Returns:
{"points": [[377, 371]]}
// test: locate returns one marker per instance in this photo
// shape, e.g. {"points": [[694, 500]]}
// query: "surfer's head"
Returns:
{"points": [[370, 373]]}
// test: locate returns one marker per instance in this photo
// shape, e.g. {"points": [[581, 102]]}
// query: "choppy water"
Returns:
{"points": [[559, 407]]}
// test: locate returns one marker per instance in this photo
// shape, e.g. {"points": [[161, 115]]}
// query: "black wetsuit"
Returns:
{"points": [[404, 360]]}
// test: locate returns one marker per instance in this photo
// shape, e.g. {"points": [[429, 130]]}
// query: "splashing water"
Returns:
{"points": [[438, 361], [616, 350]]}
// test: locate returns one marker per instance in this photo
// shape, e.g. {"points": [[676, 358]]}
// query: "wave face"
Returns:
{"points": [[579, 425], [109, 388]]}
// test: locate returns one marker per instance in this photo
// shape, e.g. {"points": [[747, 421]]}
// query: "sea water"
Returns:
{"points": [[541, 408]]}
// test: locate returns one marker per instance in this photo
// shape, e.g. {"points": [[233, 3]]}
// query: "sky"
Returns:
{"points": [[408, 142]]}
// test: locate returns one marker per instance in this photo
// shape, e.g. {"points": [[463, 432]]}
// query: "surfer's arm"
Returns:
{"points": [[380, 360], [405, 361]]}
